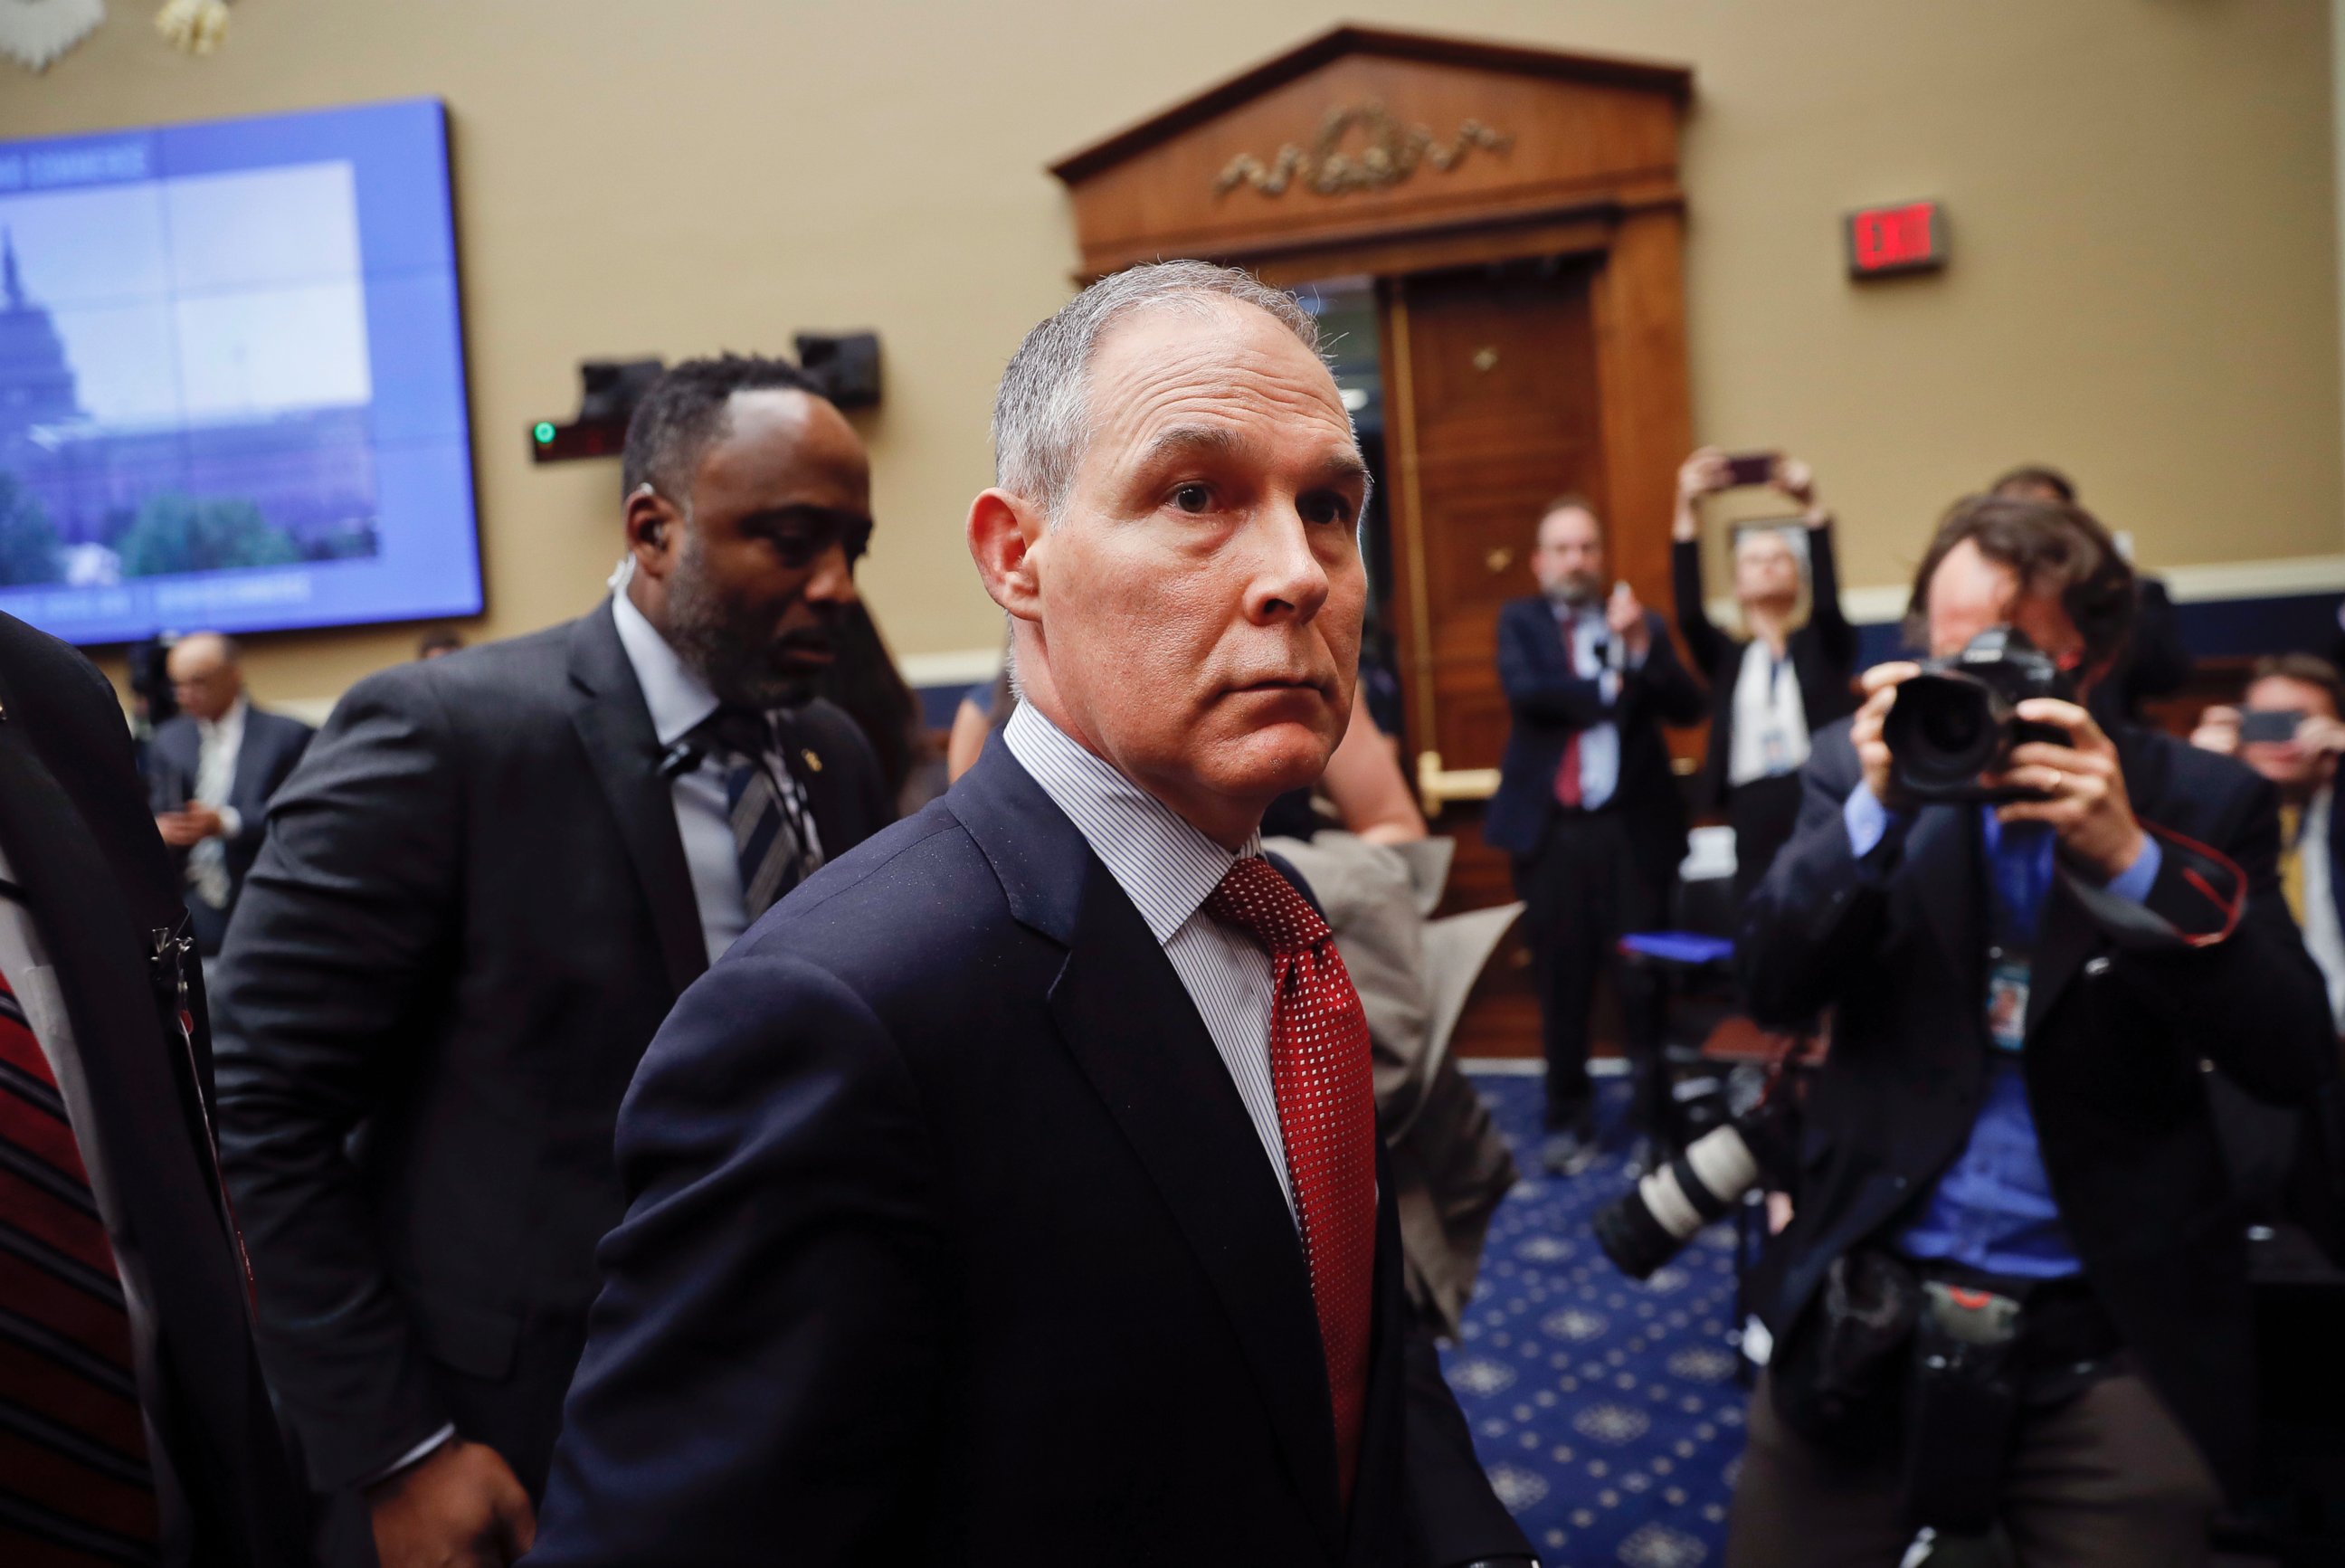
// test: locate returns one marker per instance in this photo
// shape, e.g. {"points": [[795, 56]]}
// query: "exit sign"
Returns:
{"points": [[1910, 237]]}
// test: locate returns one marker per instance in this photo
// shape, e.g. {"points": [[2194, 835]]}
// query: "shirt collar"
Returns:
{"points": [[678, 698], [1164, 865], [230, 723]]}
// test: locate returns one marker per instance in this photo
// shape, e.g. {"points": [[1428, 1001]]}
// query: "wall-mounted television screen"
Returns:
{"points": [[232, 378]]}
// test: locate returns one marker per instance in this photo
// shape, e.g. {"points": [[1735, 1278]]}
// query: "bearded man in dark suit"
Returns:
{"points": [[1010, 1194], [483, 889]]}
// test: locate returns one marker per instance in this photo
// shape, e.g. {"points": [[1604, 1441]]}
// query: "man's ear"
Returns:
{"points": [[655, 531], [1005, 539]]}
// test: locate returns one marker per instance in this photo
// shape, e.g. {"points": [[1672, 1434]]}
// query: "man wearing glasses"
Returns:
{"points": [[483, 891]]}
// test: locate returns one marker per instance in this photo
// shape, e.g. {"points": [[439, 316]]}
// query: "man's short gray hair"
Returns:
{"points": [[1041, 418]]}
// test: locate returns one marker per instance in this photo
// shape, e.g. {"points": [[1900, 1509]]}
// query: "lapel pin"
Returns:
{"points": [[814, 763]]}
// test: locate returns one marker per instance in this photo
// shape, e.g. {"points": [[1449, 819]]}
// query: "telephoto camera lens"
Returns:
{"points": [[1650, 1222]]}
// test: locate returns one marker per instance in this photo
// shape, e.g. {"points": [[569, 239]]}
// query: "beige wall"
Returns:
{"points": [[2144, 287]]}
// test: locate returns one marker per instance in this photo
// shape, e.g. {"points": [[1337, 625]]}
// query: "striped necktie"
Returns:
{"points": [[74, 1486], [1319, 1072], [767, 839]]}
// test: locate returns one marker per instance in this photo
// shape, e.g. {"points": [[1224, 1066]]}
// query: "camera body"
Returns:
{"points": [[1958, 719]]}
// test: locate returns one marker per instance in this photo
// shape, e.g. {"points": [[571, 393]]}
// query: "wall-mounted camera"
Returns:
{"points": [[845, 365], [610, 390]]}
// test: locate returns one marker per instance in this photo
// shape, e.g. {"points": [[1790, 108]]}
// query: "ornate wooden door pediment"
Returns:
{"points": [[1364, 135]]}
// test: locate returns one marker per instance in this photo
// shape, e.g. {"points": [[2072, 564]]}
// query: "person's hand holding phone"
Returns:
{"points": [[2217, 731], [1706, 473], [1796, 480], [1626, 615], [2321, 736]]}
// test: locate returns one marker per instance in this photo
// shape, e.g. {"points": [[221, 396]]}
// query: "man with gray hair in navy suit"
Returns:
{"points": [[1011, 1193]]}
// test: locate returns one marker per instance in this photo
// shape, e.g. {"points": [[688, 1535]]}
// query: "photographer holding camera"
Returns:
{"points": [[2014, 1294]]}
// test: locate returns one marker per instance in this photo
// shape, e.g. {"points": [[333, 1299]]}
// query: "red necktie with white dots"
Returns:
{"points": [[1320, 1072]]}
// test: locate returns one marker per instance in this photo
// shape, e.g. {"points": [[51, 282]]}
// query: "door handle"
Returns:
{"points": [[1437, 786]]}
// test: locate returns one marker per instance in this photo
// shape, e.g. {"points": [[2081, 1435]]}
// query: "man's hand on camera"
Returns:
{"points": [[1880, 683], [2085, 802]]}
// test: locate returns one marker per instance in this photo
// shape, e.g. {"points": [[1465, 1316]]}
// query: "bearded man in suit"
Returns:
{"points": [[482, 892]]}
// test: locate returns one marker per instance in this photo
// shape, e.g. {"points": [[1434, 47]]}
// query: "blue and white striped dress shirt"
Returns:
{"points": [[1168, 869]]}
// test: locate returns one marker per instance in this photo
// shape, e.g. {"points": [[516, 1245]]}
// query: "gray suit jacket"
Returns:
{"points": [[471, 914]]}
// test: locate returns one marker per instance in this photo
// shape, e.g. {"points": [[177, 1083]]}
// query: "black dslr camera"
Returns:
{"points": [[1957, 720]]}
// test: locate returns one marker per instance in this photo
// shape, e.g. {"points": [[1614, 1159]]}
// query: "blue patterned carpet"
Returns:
{"points": [[1606, 1412]]}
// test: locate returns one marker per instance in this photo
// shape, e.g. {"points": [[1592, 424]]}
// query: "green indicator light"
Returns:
{"points": [[544, 432]]}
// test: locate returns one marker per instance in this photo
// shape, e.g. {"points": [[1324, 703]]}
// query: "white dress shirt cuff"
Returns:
{"points": [[412, 1457], [231, 821]]}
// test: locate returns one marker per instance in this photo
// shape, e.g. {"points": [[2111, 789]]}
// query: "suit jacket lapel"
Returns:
{"points": [[1135, 1032], [1943, 850], [820, 776], [608, 712], [244, 784], [2069, 933]]}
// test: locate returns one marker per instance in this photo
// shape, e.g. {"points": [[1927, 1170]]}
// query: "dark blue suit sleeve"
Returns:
{"points": [[1818, 910], [1533, 677], [762, 1362]]}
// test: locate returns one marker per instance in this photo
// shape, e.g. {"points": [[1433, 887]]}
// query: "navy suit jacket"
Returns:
{"points": [[273, 743], [950, 1241], [1548, 703], [2126, 1002]]}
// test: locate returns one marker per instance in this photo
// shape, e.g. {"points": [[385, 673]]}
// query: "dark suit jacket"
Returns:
{"points": [[471, 915], [1823, 653], [272, 744], [82, 845], [1549, 702], [2118, 1019], [2155, 660], [950, 1241]]}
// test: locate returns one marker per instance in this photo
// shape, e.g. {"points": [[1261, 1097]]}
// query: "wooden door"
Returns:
{"points": [[1495, 411]]}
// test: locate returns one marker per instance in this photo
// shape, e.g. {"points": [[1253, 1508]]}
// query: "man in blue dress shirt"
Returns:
{"points": [[2025, 997]]}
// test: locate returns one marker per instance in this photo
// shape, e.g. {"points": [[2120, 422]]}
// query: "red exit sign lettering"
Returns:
{"points": [[1910, 237]]}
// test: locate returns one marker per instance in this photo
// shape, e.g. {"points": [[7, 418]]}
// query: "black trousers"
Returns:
{"points": [[1581, 890], [1762, 813]]}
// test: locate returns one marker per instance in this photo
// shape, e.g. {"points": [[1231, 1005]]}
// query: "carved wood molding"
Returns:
{"points": [[1394, 152]]}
